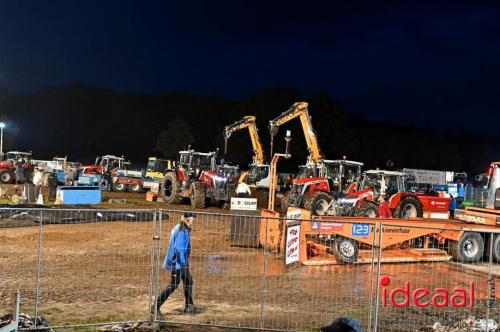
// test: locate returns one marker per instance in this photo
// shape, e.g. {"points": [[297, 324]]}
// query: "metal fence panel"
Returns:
{"points": [[19, 236], [225, 267], [80, 267], [310, 296], [427, 295], [95, 265]]}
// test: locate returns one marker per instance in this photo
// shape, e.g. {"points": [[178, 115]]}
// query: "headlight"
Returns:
{"points": [[219, 178]]}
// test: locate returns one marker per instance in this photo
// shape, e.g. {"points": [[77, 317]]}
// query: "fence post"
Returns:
{"points": [[375, 327], [491, 283], [38, 266], [372, 271], [158, 238], [263, 285], [152, 315]]}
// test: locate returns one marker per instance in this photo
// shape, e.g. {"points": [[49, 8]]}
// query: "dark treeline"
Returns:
{"points": [[83, 122]]}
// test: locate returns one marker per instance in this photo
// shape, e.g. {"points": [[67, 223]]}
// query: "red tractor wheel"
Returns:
{"points": [[367, 209], [285, 202], [318, 203], [197, 195], [408, 208], [6, 176]]}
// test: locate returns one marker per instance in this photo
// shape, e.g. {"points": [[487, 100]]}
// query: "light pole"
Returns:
{"points": [[2, 125]]}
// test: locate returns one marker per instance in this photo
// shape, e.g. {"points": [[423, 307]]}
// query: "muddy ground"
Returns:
{"points": [[100, 271]]}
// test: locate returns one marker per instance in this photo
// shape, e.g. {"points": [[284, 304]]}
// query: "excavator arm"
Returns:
{"points": [[248, 122], [299, 110]]}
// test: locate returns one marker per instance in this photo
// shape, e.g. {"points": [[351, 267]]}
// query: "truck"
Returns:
{"points": [[488, 215]]}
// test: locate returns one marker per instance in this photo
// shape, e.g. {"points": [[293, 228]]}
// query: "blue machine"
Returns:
{"points": [[89, 179], [60, 176], [456, 189], [452, 188]]}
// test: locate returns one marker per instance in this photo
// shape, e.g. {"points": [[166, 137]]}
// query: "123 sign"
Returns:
{"points": [[360, 230]]}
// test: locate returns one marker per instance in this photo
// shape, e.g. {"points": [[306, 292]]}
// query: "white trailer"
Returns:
{"points": [[424, 176]]}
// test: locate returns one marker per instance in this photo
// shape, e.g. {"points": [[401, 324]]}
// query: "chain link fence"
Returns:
{"points": [[475, 196], [88, 267]]}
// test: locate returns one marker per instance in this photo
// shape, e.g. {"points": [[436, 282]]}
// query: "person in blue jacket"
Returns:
{"points": [[177, 262]]}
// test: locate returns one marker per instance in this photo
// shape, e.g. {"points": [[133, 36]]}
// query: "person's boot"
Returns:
{"points": [[191, 309], [158, 312]]}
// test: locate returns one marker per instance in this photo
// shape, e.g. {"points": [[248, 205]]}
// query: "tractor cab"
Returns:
{"points": [[344, 174], [156, 167], [60, 163], [110, 162], [17, 156], [385, 183], [259, 176], [193, 162]]}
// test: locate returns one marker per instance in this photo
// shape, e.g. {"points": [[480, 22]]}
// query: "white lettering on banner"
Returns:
{"points": [[293, 215], [292, 244], [242, 203]]}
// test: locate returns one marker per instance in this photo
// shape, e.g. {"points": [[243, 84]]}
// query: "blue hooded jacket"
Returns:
{"points": [[179, 247], [453, 204]]}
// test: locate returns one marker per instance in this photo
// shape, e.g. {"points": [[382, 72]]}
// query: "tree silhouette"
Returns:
{"points": [[177, 136]]}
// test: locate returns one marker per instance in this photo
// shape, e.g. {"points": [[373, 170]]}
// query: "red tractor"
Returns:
{"points": [[390, 185], [7, 166], [197, 177], [331, 179], [104, 164]]}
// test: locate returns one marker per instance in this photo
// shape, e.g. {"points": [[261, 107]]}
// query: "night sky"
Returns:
{"points": [[437, 65]]}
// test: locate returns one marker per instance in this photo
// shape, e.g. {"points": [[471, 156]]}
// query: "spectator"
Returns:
{"points": [[452, 206], [69, 176], [38, 181], [342, 324], [19, 173], [383, 208], [243, 190], [52, 184], [177, 262]]}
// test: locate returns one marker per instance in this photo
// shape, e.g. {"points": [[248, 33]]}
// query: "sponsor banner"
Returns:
{"points": [[360, 230], [292, 244], [243, 204], [293, 215], [331, 226]]}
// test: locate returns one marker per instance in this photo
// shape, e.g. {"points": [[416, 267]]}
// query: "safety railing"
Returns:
{"points": [[88, 267]]}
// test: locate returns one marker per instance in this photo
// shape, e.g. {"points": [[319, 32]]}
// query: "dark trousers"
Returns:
{"points": [[178, 275], [52, 194]]}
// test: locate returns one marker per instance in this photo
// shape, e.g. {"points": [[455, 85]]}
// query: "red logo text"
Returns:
{"points": [[423, 297]]}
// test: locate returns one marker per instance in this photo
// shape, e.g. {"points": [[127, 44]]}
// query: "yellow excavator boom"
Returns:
{"points": [[248, 122], [299, 109]]}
